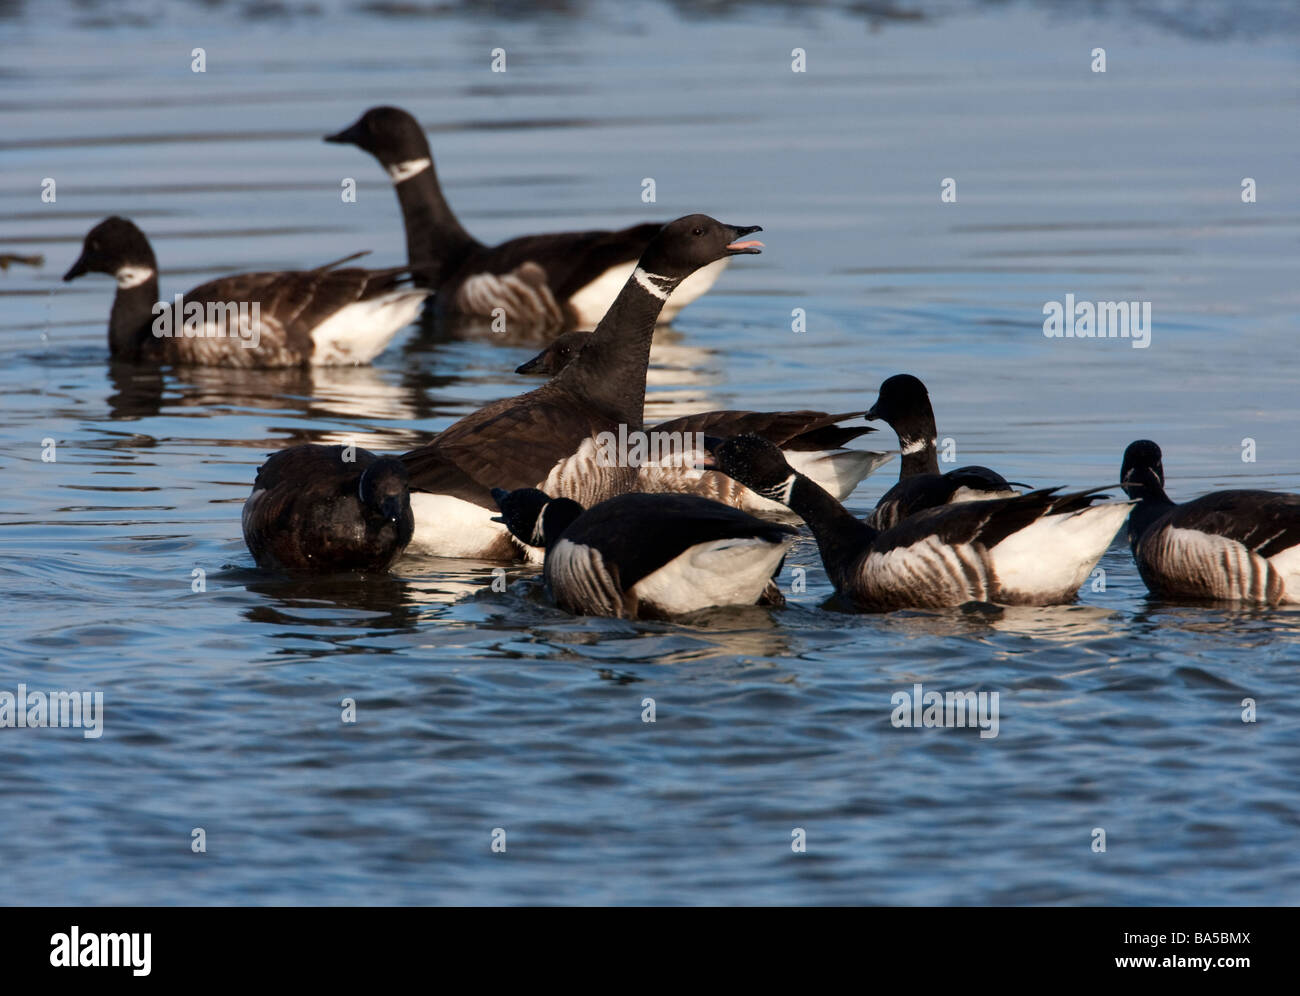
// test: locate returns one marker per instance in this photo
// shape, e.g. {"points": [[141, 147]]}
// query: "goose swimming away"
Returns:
{"points": [[1033, 549], [1241, 546], [647, 555], [289, 318], [543, 284], [328, 508], [549, 437], [904, 405]]}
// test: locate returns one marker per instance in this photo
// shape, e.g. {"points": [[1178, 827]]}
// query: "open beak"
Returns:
{"points": [[737, 247], [350, 135]]}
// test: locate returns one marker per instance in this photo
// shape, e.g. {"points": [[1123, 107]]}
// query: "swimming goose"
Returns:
{"points": [[904, 405], [643, 555], [548, 438], [1226, 546], [328, 508], [557, 355], [321, 317], [543, 283], [810, 440], [1034, 549]]}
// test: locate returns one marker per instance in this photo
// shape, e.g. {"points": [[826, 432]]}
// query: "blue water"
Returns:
{"points": [[479, 710]]}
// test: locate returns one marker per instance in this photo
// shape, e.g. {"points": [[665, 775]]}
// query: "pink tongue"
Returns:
{"points": [[751, 244]]}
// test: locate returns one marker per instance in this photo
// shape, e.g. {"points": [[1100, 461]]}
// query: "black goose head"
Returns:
{"points": [[1142, 474], [753, 461], [114, 245], [534, 517], [555, 357], [389, 134], [685, 245], [384, 490], [904, 404]]}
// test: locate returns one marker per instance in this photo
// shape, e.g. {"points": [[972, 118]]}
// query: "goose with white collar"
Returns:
{"points": [[290, 318], [328, 508], [543, 283], [1034, 549], [647, 555], [904, 405], [1240, 546], [548, 438]]}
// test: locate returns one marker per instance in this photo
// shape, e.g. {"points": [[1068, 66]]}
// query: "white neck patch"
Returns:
{"points": [[132, 276], [539, 536], [654, 284], [786, 488], [917, 446], [399, 172]]}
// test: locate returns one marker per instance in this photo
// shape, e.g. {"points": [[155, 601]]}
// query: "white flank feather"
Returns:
{"points": [[359, 332]]}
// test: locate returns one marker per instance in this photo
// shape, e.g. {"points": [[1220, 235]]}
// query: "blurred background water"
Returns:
{"points": [[478, 709]]}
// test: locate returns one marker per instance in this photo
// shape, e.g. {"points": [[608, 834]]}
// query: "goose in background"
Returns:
{"points": [[1241, 546], [328, 508], [904, 405], [322, 317], [543, 283], [547, 438], [648, 555], [811, 440], [1033, 549]]}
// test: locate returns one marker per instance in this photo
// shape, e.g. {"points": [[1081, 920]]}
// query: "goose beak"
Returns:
{"points": [[872, 415], [350, 135], [79, 269], [737, 247], [530, 365]]}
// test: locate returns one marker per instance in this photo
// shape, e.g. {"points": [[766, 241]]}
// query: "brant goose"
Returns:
{"points": [[321, 317], [544, 283], [557, 355], [547, 437], [904, 405], [810, 440], [1033, 549], [328, 508], [1226, 546], [647, 555]]}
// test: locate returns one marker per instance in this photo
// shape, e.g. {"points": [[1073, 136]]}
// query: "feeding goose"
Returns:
{"points": [[1226, 546], [1033, 549], [329, 316], [328, 508], [647, 555]]}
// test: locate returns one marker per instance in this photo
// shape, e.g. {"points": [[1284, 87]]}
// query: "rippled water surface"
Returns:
{"points": [[478, 709]]}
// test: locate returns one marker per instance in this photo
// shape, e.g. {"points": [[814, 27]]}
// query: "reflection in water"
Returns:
{"points": [[344, 602], [1250, 624], [317, 394]]}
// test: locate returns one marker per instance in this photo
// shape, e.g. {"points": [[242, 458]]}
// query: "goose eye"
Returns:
{"points": [[698, 231]]}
